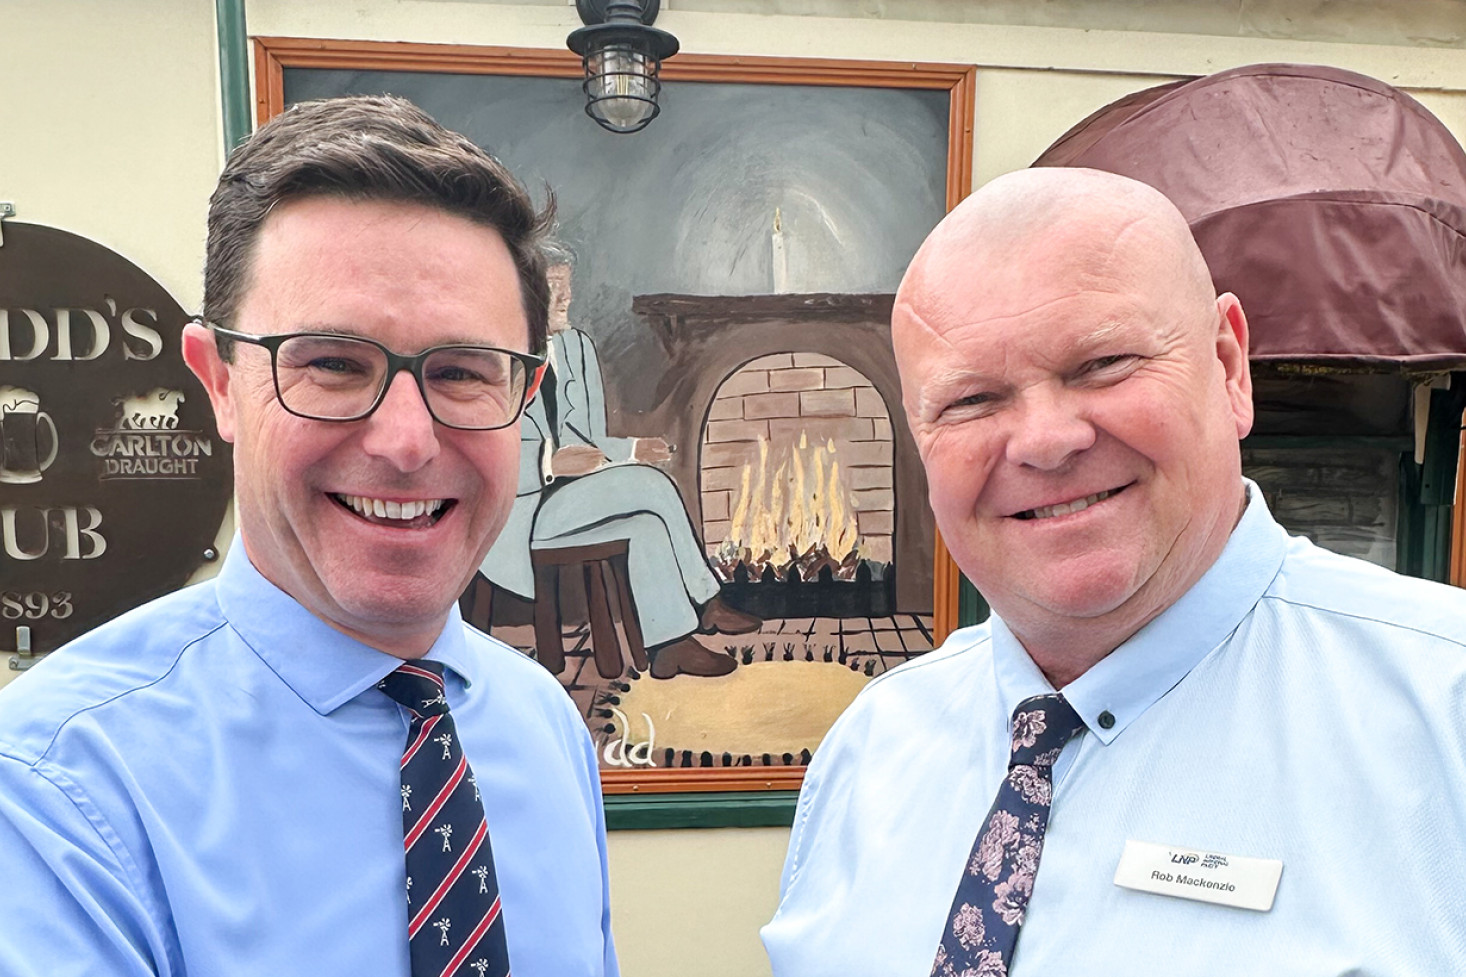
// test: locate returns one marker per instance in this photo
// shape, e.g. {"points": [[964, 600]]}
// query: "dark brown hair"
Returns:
{"points": [[367, 147]]}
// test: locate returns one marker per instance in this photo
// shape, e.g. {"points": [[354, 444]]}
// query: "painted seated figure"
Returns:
{"points": [[579, 486]]}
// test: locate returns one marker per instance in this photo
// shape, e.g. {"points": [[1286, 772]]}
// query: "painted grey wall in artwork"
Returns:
{"points": [[687, 205]]}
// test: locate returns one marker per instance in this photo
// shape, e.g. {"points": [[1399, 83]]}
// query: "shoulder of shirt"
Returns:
{"points": [[1319, 581], [924, 679], [892, 714], [125, 657], [962, 649]]}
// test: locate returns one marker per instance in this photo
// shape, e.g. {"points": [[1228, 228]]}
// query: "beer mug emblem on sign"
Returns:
{"points": [[28, 441]]}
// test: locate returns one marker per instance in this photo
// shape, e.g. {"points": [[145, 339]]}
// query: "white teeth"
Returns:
{"points": [[383, 509], [1065, 508]]}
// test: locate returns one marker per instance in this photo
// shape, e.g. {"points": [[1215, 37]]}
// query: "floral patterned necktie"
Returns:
{"points": [[454, 924], [982, 929]]}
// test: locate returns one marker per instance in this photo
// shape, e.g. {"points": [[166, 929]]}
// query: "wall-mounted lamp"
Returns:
{"points": [[622, 54]]}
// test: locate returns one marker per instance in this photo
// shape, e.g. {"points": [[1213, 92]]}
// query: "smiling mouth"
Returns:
{"points": [[1066, 508], [416, 514]]}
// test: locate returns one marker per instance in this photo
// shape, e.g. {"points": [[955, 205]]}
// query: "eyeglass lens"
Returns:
{"points": [[331, 378]]}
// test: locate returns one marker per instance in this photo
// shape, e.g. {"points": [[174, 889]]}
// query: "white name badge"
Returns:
{"points": [[1227, 880]]}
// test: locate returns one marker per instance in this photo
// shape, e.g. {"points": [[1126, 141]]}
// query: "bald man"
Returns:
{"points": [[1186, 743]]}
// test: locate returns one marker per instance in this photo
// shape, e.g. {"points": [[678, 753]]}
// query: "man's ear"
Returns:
{"points": [[202, 356], [1232, 344]]}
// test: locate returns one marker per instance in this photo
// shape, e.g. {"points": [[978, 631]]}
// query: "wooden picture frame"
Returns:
{"points": [[708, 790]]}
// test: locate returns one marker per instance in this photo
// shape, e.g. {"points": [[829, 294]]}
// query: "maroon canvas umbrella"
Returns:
{"points": [[1332, 204]]}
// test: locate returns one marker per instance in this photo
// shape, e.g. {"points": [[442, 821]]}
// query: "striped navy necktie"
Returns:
{"points": [[455, 927]]}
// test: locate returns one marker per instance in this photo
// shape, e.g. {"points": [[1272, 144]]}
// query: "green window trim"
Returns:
{"points": [[724, 809]]}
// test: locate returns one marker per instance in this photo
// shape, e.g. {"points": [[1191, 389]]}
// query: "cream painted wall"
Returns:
{"points": [[689, 903], [109, 127]]}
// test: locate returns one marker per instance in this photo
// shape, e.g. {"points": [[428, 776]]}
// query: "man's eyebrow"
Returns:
{"points": [[938, 389], [1101, 334], [960, 377], [344, 331], [351, 332]]}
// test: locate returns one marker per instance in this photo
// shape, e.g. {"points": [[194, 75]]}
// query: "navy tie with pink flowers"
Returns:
{"points": [[454, 924], [982, 929]]}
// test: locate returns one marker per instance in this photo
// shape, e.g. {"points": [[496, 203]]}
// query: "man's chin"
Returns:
{"points": [[1080, 598], [1088, 606], [385, 613]]}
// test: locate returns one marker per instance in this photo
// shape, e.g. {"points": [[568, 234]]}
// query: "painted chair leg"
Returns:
{"points": [[602, 628], [629, 621], [549, 645]]}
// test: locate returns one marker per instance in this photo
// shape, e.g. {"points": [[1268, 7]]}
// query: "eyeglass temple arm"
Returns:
{"points": [[534, 383]]}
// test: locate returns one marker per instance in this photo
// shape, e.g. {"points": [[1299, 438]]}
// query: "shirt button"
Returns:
{"points": [[1106, 720]]}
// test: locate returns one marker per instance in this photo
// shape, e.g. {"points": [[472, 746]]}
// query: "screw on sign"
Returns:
{"points": [[113, 479]]}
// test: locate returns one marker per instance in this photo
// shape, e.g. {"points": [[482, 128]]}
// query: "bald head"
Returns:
{"points": [[1099, 229], [1077, 391]]}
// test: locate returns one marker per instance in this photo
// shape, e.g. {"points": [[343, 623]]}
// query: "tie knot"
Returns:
{"points": [[418, 686], [1041, 727]]}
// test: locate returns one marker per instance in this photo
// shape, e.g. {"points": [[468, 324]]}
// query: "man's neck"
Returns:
{"points": [[1064, 653], [406, 642]]}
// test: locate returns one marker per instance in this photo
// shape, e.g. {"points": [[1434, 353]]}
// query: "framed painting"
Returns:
{"points": [[723, 534]]}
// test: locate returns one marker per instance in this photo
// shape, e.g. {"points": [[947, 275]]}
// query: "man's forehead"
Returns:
{"points": [[325, 263], [1091, 288], [1026, 287], [1051, 329]]}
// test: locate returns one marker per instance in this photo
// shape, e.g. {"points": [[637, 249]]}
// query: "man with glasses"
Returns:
{"points": [[310, 764]]}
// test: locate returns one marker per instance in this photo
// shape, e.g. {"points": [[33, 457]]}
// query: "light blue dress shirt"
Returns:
{"points": [[209, 785], [1293, 705]]}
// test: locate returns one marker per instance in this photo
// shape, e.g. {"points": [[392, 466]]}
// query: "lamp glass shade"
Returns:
{"points": [[622, 87]]}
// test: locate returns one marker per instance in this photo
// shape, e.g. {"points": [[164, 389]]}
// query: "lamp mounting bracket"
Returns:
{"points": [[595, 12]]}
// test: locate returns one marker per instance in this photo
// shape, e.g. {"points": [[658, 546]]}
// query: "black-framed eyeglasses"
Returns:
{"points": [[331, 377]]}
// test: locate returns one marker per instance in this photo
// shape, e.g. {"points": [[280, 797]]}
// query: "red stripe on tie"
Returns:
{"points": [[453, 874], [422, 673], [437, 805], [473, 938], [422, 737]]}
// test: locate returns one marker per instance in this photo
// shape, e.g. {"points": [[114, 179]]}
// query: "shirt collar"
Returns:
{"points": [[1135, 675], [320, 664]]}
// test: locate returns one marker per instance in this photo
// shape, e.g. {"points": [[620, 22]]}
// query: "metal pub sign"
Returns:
{"points": [[113, 479]]}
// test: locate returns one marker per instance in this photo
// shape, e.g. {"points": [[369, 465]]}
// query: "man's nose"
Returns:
{"points": [[1049, 428], [402, 430]]}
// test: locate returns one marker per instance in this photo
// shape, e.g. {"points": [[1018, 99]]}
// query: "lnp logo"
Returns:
{"points": [[24, 428], [1184, 858], [146, 441]]}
